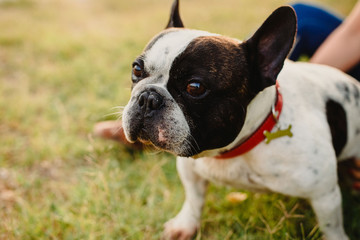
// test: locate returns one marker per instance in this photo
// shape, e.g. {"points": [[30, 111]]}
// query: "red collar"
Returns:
{"points": [[258, 136]]}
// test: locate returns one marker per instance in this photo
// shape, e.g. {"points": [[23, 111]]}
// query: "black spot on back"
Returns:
{"points": [[357, 131], [336, 118], [345, 91], [356, 93]]}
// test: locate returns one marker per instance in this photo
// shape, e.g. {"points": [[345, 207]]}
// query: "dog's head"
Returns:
{"points": [[191, 88]]}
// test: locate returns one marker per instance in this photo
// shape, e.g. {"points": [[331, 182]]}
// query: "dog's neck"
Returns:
{"points": [[257, 111]]}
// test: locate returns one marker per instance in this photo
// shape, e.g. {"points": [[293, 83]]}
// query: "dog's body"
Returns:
{"points": [[198, 95], [302, 166]]}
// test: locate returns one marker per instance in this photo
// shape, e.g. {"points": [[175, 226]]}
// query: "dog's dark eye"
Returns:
{"points": [[195, 89], [137, 70]]}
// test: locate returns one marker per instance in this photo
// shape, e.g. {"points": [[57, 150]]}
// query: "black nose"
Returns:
{"points": [[150, 101]]}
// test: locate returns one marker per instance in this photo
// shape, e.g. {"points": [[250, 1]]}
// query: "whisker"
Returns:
{"points": [[118, 129], [243, 110], [194, 140], [193, 150], [118, 112], [153, 152], [190, 145], [112, 114], [117, 107]]}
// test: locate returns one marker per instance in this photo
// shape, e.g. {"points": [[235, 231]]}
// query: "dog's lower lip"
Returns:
{"points": [[146, 142], [134, 135]]}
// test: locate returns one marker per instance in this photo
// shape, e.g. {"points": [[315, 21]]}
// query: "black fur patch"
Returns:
{"points": [[356, 94], [336, 117], [345, 91], [220, 65], [357, 131]]}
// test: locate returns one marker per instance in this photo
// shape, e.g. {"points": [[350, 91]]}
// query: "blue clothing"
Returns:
{"points": [[314, 25]]}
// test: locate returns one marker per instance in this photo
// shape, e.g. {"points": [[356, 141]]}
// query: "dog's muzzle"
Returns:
{"points": [[153, 117], [143, 111]]}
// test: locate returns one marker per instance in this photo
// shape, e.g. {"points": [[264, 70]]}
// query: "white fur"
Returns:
{"points": [[163, 53]]}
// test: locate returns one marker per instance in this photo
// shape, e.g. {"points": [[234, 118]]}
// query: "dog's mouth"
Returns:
{"points": [[162, 137]]}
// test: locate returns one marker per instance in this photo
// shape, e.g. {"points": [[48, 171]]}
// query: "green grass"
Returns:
{"points": [[64, 65]]}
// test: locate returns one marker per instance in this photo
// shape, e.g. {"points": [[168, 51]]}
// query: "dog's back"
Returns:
{"points": [[326, 92]]}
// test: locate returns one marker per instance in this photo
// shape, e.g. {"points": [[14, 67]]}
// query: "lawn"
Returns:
{"points": [[65, 65]]}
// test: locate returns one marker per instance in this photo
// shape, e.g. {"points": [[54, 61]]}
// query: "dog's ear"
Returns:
{"points": [[270, 45], [175, 19]]}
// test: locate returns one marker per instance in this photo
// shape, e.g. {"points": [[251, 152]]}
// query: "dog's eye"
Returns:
{"points": [[137, 70], [195, 89]]}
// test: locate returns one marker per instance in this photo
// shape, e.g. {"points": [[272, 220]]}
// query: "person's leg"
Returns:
{"points": [[355, 72], [113, 130], [314, 26]]}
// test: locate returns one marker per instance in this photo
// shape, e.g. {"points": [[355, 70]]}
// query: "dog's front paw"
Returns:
{"points": [[179, 229]]}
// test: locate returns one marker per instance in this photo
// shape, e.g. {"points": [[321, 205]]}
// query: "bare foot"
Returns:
{"points": [[113, 130]]}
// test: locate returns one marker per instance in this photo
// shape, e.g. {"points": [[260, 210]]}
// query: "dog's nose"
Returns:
{"points": [[150, 101]]}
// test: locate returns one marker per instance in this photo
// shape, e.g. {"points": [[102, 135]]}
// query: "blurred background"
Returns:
{"points": [[64, 66]]}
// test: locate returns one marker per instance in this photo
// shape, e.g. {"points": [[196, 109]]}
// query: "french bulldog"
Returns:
{"points": [[239, 113]]}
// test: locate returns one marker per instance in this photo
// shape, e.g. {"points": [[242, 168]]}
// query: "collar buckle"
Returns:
{"points": [[275, 114]]}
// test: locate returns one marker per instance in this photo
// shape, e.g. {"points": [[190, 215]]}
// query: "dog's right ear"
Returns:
{"points": [[175, 19]]}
